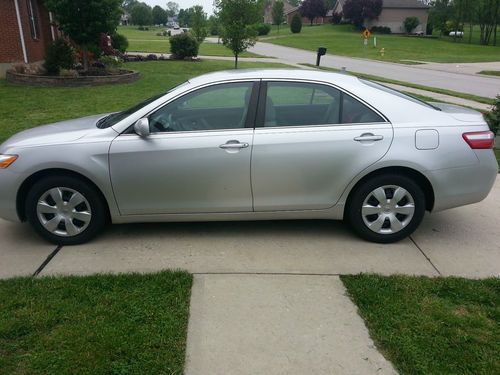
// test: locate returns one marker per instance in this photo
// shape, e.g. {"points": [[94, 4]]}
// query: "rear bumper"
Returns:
{"points": [[9, 186], [455, 187]]}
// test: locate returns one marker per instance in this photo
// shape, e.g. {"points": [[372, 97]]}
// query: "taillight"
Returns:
{"points": [[479, 140]]}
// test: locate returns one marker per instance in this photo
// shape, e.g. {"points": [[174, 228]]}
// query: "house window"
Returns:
{"points": [[33, 18]]}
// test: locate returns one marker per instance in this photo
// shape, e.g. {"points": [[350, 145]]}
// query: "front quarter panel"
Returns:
{"points": [[87, 156]]}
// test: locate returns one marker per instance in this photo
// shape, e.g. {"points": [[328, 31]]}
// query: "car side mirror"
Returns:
{"points": [[141, 127]]}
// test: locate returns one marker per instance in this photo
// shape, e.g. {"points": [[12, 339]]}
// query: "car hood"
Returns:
{"points": [[460, 113], [59, 132]]}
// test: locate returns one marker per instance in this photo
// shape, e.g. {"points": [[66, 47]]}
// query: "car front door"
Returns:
{"points": [[196, 159], [310, 141]]}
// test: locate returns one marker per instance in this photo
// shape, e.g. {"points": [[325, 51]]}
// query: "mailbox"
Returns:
{"points": [[321, 52]]}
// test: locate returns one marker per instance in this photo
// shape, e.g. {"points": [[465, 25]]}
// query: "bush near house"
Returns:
{"points": [[381, 30], [296, 24], [59, 55], [410, 23], [183, 45]]}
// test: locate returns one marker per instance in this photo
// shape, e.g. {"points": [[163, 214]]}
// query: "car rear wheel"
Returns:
{"points": [[386, 208], [65, 210]]}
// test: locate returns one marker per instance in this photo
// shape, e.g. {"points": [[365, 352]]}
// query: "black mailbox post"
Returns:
{"points": [[321, 52]]}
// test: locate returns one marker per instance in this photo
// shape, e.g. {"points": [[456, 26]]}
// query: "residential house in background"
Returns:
{"points": [[125, 19], [290, 11], [25, 32], [394, 12]]}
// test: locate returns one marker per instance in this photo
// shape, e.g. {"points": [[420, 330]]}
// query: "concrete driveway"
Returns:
{"points": [[461, 242]]}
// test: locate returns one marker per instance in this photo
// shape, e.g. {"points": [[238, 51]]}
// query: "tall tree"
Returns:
{"points": [[278, 13], [312, 9], [84, 20], [441, 12], [237, 19], [141, 14], [488, 14], [185, 16], [159, 15], [172, 9], [359, 11], [199, 23], [128, 4]]}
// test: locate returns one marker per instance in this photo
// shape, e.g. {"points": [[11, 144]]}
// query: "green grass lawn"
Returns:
{"points": [[432, 326], [342, 40], [497, 154], [24, 107], [148, 41], [126, 324], [491, 72]]}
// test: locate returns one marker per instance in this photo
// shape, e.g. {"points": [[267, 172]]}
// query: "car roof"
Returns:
{"points": [[307, 74]]}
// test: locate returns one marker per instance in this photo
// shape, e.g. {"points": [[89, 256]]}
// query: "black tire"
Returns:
{"points": [[97, 204], [362, 192]]}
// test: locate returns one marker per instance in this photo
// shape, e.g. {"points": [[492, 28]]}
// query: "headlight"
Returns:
{"points": [[6, 160]]}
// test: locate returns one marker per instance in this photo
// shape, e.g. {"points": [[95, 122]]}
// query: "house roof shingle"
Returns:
{"points": [[404, 4]]}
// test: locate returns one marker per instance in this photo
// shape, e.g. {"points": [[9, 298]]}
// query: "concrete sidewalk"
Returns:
{"points": [[269, 324]]}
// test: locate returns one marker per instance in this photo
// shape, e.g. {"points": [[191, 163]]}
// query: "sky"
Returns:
{"points": [[207, 4]]}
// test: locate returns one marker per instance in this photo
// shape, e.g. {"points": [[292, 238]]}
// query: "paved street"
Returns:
{"points": [[444, 76]]}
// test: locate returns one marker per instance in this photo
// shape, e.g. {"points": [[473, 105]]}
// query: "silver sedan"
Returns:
{"points": [[251, 145]]}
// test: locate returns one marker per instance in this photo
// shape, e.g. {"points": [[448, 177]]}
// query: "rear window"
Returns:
{"points": [[399, 93]]}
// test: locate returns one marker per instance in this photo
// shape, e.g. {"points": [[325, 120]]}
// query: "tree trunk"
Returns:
{"points": [[236, 61], [85, 58], [471, 29]]}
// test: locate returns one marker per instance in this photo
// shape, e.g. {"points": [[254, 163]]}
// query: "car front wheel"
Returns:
{"points": [[65, 210], [386, 208]]}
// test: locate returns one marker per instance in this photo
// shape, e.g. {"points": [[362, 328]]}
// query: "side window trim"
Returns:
{"points": [[261, 109]]}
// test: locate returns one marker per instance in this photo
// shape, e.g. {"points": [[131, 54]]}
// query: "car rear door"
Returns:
{"points": [[197, 158], [310, 141]]}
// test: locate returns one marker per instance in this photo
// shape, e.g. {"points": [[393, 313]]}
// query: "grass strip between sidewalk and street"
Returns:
{"points": [[431, 325], [490, 73], [103, 324], [475, 98]]}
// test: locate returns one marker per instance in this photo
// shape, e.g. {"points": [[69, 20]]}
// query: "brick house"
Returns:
{"points": [[394, 12], [289, 11], [25, 32]]}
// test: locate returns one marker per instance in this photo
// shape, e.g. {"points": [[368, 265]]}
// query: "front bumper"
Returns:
{"points": [[9, 186]]}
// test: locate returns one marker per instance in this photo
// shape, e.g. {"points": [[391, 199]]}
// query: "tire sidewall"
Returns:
{"points": [[97, 206], [359, 195]]}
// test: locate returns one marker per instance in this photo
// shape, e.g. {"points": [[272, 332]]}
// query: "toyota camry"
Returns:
{"points": [[251, 145]]}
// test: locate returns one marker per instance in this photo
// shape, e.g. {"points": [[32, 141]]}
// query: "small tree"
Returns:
{"points": [[159, 15], [312, 9], [357, 11], [296, 24], [199, 23], [237, 19], [410, 23], [141, 14], [59, 55], [84, 21], [278, 13]]}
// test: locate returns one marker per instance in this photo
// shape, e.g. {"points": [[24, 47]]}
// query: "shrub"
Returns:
{"points": [[183, 45], [120, 42], [111, 63], [410, 23], [493, 117], [381, 29], [296, 24], [262, 28], [59, 55]]}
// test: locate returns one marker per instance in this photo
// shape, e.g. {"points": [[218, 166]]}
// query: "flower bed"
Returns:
{"points": [[122, 76]]}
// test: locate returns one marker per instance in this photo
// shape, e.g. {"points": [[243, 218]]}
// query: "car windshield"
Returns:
{"points": [[115, 118], [399, 93]]}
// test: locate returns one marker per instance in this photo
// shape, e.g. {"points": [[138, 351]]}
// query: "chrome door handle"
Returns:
{"points": [[369, 138], [234, 145]]}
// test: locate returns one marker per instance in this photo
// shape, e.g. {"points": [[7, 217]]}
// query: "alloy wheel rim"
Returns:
{"points": [[64, 212], [388, 209]]}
